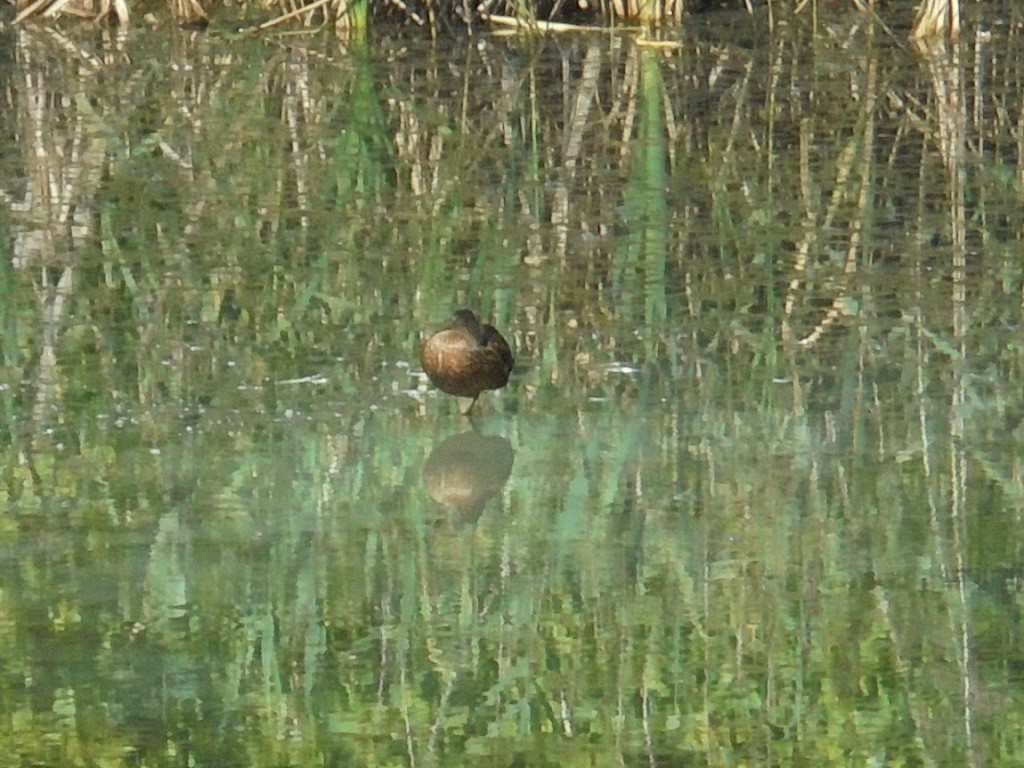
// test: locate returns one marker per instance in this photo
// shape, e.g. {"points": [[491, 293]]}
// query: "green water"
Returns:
{"points": [[752, 496]]}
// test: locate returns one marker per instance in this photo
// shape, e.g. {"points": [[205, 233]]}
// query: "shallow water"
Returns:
{"points": [[752, 495]]}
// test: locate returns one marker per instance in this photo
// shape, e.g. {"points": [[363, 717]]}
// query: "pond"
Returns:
{"points": [[752, 495]]}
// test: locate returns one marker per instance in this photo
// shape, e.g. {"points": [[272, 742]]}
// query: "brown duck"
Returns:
{"points": [[467, 357]]}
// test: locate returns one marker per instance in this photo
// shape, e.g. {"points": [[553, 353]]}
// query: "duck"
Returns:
{"points": [[467, 358]]}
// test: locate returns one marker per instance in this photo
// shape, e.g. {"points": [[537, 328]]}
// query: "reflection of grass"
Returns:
{"points": [[638, 576], [646, 216], [606, 579]]}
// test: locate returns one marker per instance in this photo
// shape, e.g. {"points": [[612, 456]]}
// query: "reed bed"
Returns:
{"points": [[936, 18]]}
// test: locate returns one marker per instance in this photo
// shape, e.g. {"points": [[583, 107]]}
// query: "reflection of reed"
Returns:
{"points": [[64, 154], [951, 117], [858, 154], [466, 471], [64, 164], [586, 93], [54, 307]]}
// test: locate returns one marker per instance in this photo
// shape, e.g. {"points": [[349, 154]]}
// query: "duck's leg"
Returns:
{"points": [[469, 411]]}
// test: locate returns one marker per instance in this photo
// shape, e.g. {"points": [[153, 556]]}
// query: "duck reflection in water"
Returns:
{"points": [[467, 358], [466, 471]]}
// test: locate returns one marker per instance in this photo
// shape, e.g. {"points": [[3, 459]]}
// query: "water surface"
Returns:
{"points": [[752, 495]]}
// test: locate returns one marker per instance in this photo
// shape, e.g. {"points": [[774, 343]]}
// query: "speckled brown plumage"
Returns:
{"points": [[467, 358]]}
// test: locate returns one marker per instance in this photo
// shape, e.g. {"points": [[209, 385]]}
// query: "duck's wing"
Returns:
{"points": [[497, 345]]}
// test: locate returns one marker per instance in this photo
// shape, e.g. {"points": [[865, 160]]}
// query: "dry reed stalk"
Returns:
{"points": [[189, 12], [305, 10], [937, 18], [48, 9], [535, 25], [112, 11]]}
